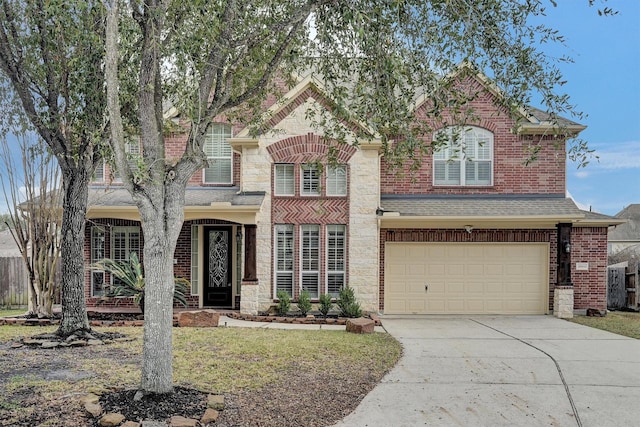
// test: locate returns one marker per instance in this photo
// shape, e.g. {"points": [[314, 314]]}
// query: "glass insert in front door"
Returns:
{"points": [[218, 268]]}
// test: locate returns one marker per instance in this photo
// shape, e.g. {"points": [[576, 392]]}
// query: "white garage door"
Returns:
{"points": [[466, 278]]}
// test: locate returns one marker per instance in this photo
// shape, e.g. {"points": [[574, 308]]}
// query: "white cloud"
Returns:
{"points": [[617, 155], [581, 174]]}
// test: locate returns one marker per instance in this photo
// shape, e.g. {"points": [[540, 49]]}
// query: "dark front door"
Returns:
{"points": [[217, 267]]}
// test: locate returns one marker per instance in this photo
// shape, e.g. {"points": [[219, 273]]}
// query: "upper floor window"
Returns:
{"points": [[312, 181], [219, 155], [337, 180], [466, 158], [132, 153], [284, 180], [310, 177]]}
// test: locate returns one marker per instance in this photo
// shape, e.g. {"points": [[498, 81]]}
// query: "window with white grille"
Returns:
{"points": [[310, 259], [466, 157], [219, 155], [336, 244], [284, 179], [124, 241], [283, 258], [337, 180], [97, 254], [310, 177]]}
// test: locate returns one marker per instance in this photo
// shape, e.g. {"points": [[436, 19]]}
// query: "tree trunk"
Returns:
{"points": [[74, 205], [161, 230]]}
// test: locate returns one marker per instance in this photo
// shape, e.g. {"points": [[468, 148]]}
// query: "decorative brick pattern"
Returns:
{"points": [[308, 148]]}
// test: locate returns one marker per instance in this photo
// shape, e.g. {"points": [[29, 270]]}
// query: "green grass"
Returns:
{"points": [[622, 323], [11, 312]]}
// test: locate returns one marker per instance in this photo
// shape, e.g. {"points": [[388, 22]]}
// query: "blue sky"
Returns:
{"points": [[604, 83]]}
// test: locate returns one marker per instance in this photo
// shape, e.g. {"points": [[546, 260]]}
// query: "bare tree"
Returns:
{"points": [[31, 190]]}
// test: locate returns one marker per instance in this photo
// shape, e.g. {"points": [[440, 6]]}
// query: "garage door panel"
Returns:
{"points": [[495, 278]]}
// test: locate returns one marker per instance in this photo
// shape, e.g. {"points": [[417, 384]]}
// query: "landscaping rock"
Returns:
{"points": [[130, 424], [94, 409], [111, 420], [360, 325], [210, 416], [178, 421], [198, 319], [216, 401], [90, 398]]}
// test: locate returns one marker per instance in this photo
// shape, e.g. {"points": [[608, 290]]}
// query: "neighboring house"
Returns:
{"points": [[627, 234], [485, 234]]}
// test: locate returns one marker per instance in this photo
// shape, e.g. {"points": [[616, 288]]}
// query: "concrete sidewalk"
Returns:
{"points": [[504, 371]]}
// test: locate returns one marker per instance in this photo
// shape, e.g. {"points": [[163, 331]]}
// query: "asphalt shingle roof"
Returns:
{"points": [[202, 196], [480, 206]]}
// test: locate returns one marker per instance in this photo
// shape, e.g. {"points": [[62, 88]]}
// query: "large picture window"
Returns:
{"points": [[466, 157], [219, 155], [313, 274]]}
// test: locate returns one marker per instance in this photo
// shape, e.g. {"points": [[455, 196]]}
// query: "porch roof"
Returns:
{"points": [[485, 211], [226, 203]]}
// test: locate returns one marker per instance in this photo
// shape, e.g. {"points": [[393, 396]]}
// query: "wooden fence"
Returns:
{"points": [[623, 287], [13, 282]]}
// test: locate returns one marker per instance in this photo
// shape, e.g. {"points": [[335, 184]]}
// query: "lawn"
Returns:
{"points": [[618, 322], [300, 368]]}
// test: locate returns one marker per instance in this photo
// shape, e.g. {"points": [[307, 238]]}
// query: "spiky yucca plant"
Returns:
{"points": [[131, 280]]}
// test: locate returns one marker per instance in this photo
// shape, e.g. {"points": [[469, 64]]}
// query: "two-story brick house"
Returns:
{"points": [[472, 231]]}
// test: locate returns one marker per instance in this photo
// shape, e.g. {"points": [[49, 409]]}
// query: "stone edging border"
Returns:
{"points": [[309, 320]]}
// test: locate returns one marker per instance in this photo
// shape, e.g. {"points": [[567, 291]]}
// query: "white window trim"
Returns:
{"points": [[195, 260], [343, 272], [304, 272], [318, 178], [94, 231], [462, 159], [276, 179], [213, 159], [332, 176], [276, 271]]}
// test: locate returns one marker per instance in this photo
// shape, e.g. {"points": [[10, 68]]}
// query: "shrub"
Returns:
{"points": [[131, 280], [304, 302], [284, 302], [325, 304], [347, 303]]}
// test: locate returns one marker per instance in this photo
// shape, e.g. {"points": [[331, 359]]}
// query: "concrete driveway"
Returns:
{"points": [[504, 371]]}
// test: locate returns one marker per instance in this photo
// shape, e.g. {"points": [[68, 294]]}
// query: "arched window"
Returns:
{"points": [[465, 157]]}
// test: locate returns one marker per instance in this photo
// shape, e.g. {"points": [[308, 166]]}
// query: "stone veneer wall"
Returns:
{"points": [[362, 226]]}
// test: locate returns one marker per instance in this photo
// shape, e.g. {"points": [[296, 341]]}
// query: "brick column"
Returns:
{"points": [[250, 253], [563, 292]]}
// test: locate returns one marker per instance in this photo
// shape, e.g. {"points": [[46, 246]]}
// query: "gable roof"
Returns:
{"points": [[630, 229], [531, 120]]}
